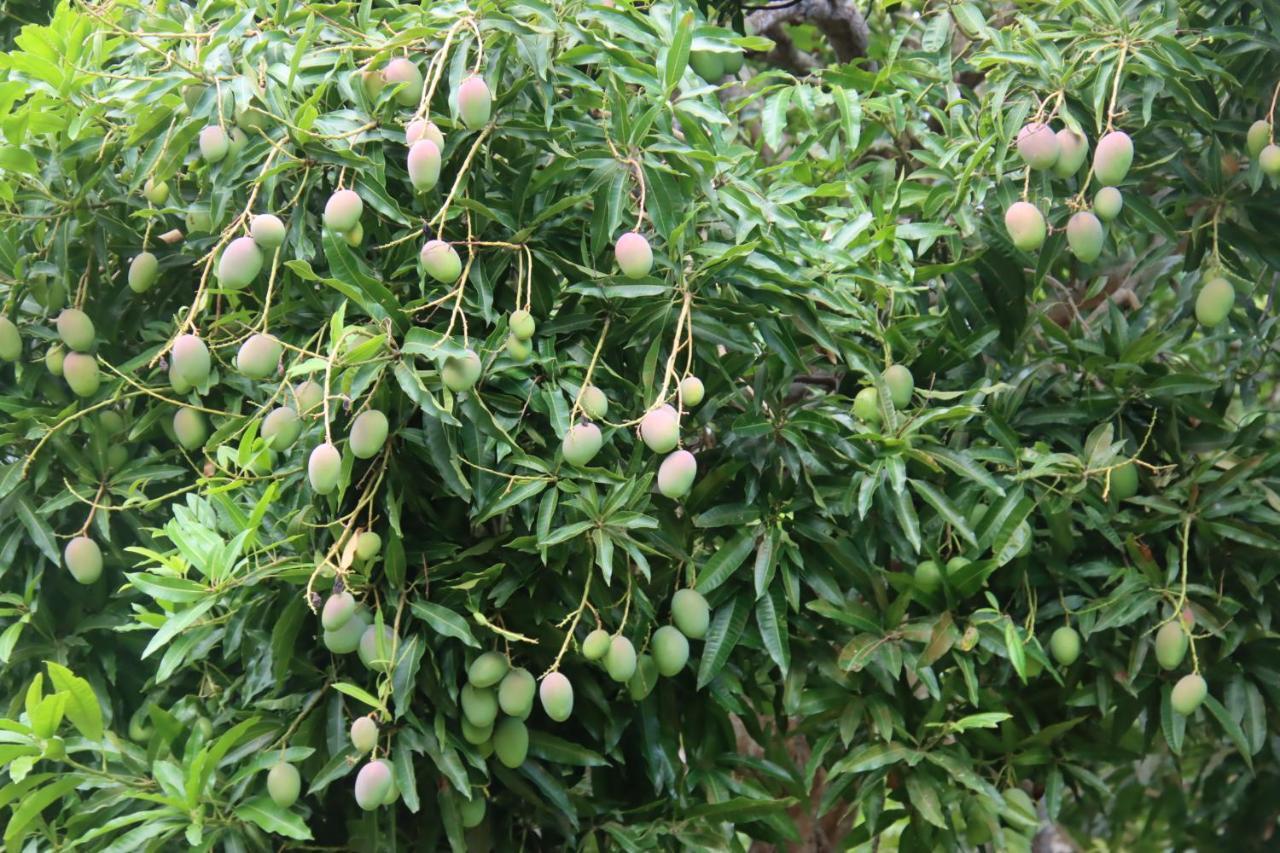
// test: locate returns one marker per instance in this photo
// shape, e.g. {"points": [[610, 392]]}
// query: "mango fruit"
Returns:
{"points": [[690, 613], [343, 210], [189, 427], [1112, 158], [364, 735], [83, 559], [620, 660], [1214, 302], [1085, 236], [1188, 694], [1064, 645], [1038, 146], [475, 103], [1025, 225], [324, 466], [670, 650], [660, 429], [515, 693], [441, 261], [635, 257], [368, 434], [1171, 645], [556, 694], [143, 270], [511, 742], [283, 784], [1073, 149], [268, 231], [676, 474]]}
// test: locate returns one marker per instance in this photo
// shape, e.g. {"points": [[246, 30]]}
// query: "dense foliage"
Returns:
{"points": [[1082, 447]]}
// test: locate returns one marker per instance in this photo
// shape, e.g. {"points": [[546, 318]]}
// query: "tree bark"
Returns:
{"points": [[839, 20]]}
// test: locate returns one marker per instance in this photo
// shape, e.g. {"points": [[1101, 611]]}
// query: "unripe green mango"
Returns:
{"points": [[471, 812], [1064, 644], [1113, 157], [476, 735], [424, 165], [475, 103], [928, 576], [596, 644], [343, 210], [955, 564], [111, 422], [901, 385], [866, 405], [676, 474], [594, 403], [1107, 203], [479, 705], [660, 429], [1025, 225], [117, 456], [620, 660], [339, 608], [81, 374], [1171, 645], [11, 342], [189, 428], [670, 650], [1188, 694], [641, 683], [373, 783], [691, 391], [324, 467], [355, 236], [281, 428], [1257, 138], [1073, 149], [156, 192], [511, 742], [732, 62], [1269, 160], [707, 64], [556, 694], [368, 545], [214, 143], [76, 329], [373, 83], [53, 357], [191, 361], [83, 559], [1214, 302], [402, 71], [236, 141], [522, 324], [1038, 146], [346, 639], [143, 270], [268, 231], [259, 356], [690, 613], [518, 349], [240, 263], [515, 693], [284, 784], [635, 257], [364, 735], [461, 373], [1124, 481], [368, 434], [1085, 236], [421, 128], [309, 397], [441, 261], [487, 669], [378, 648]]}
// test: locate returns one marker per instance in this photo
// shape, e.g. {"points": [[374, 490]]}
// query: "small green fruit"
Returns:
{"points": [[368, 545], [596, 645], [214, 143], [1073, 148], [268, 231], [556, 694], [189, 428], [1124, 481], [1038, 146], [928, 576], [143, 270], [690, 612], [364, 735], [1257, 138], [521, 324], [511, 742], [474, 734], [240, 263], [402, 71], [1214, 302], [53, 356], [346, 639], [581, 443], [373, 783], [76, 329], [518, 350], [594, 403], [343, 210], [1187, 694], [487, 669], [112, 422], [471, 812], [660, 429], [309, 397], [461, 373], [707, 64], [1269, 161], [156, 192], [1085, 236], [475, 103], [198, 220], [1107, 203], [1064, 644], [339, 609], [676, 473], [284, 784], [901, 385], [1113, 157], [368, 434], [323, 468], [620, 660], [424, 165], [670, 650], [479, 705], [866, 405], [1025, 225], [732, 61], [441, 261], [641, 683], [191, 361], [1171, 645], [11, 344], [691, 391], [259, 356], [83, 558], [515, 693], [81, 374], [236, 142], [955, 564], [354, 236], [281, 428], [635, 258], [378, 648]]}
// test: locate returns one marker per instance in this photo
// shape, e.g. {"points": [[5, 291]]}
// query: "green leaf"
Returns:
{"points": [[82, 708], [263, 812], [678, 52], [721, 566], [444, 621], [726, 629]]}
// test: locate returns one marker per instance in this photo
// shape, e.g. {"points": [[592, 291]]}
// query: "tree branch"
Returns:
{"points": [[839, 20]]}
